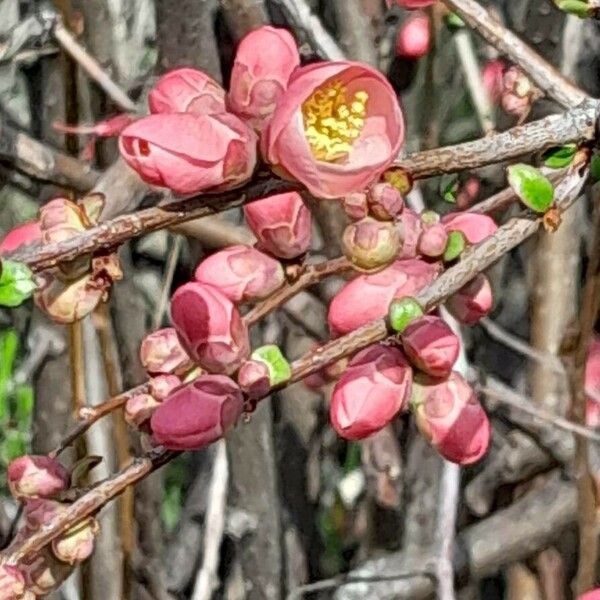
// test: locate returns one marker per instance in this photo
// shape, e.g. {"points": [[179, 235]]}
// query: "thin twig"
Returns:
{"points": [[77, 366], [165, 292]]}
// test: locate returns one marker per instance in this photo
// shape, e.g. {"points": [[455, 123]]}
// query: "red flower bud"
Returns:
{"points": [[189, 153], [371, 392], [355, 205], [210, 327], [264, 61], [492, 77], [433, 240], [161, 352], [451, 418], [367, 297], [414, 37], [472, 302], [518, 93], [431, 345], [385, 201], [162, 385], [241, 273], [32, 476], [198, 413], [253, 378], [76, 544], [21, 236], [282, 224], [370, 244], [187, 91], [473, 226], [467, 193], [410, 228], [140, 408]]}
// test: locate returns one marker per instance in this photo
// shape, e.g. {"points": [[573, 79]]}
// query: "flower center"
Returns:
{"points": [[331, 122]]}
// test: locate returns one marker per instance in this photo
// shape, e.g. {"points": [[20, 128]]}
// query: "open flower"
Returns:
{"points": [[264, 61], [190, 153], [187, 91], [373, 389], [210, 327], [368, 297], [241, 273], [336, 128]]}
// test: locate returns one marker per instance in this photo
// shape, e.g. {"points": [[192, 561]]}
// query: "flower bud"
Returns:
{"points": [[355, 205], [43, 573], [373, 390], [139, 409], [402, 312], [21, 237], [414, 37], [198, 413], [410, 4], [433, 240], [282, 224], [518, 93], [33, 476], [472, 302], [492, 77], [451, 418], [12, 583], [368, 297], [467, 193], [161, 352], [210, 327], [410, 229], [76, 544], [241, 273], [431, 346], [455, 246], [187, 91], [162, 385], [591, 595], [473, 226], [385, 201], [370, 244], [264, 61], [61, 219], [189, 153], [253, 378]]}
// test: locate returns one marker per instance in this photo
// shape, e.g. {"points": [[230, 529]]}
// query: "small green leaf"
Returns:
{"points": [[595, 167], [532, 188], [402, 312], [562, 156], [455, 246], [578, 8], [449, 188], [82, 467], [279, 368], [453, 21], [16, 283]]}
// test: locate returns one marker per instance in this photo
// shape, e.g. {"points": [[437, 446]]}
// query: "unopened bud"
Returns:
{"points": [[278, 366], [385, 201], [76, 544], [355, 205], [402, 312], [370, 244], [254, 379], [32, 476]]}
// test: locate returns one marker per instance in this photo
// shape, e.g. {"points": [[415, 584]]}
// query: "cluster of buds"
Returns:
{"points": [[35, 481], [312, 124]]}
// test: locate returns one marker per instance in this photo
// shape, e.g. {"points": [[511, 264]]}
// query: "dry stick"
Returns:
{"points": [[77, 365], [577, 125], [546, 77], [165, 292], [480, 258], [586, 488], [92, 67]]}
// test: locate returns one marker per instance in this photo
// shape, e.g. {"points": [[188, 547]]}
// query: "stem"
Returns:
{"points": [[165, 292], [77, 365]]}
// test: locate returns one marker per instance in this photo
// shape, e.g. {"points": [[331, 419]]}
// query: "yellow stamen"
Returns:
{"points": [[332, 121]]}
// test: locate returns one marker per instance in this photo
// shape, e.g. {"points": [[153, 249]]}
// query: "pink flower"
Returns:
{"points": [[187, 91], [410, 4], [282, 224], [451, 418], [140, 408], [433, 240], [474, 227], [473, 301], [12, 584], [410, 228], [162, 385], [372, 391], [492, 77], [367, 297], [370, 244], [385, 201], [198, 413], [414, 36], [161, 352], [431, 345], [591, 595], [241, 273], [336, 129], [190, 153], [32, 476], [264, 61], [253, 378], [20, 237], [210, 327]]}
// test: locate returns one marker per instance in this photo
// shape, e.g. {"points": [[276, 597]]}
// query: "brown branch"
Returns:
{"points": [[546, 77]]}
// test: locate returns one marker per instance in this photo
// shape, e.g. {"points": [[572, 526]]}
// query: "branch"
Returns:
{"points": [[546, 77]]}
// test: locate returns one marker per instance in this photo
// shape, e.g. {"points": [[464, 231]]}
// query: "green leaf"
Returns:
{"points": [[13, 446], [595, 167], [532, 188], [449, 188], [279, 368], [24, 408], [402, 312], [578, 8], [562, 156], [455, 245], [16, 283]]}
